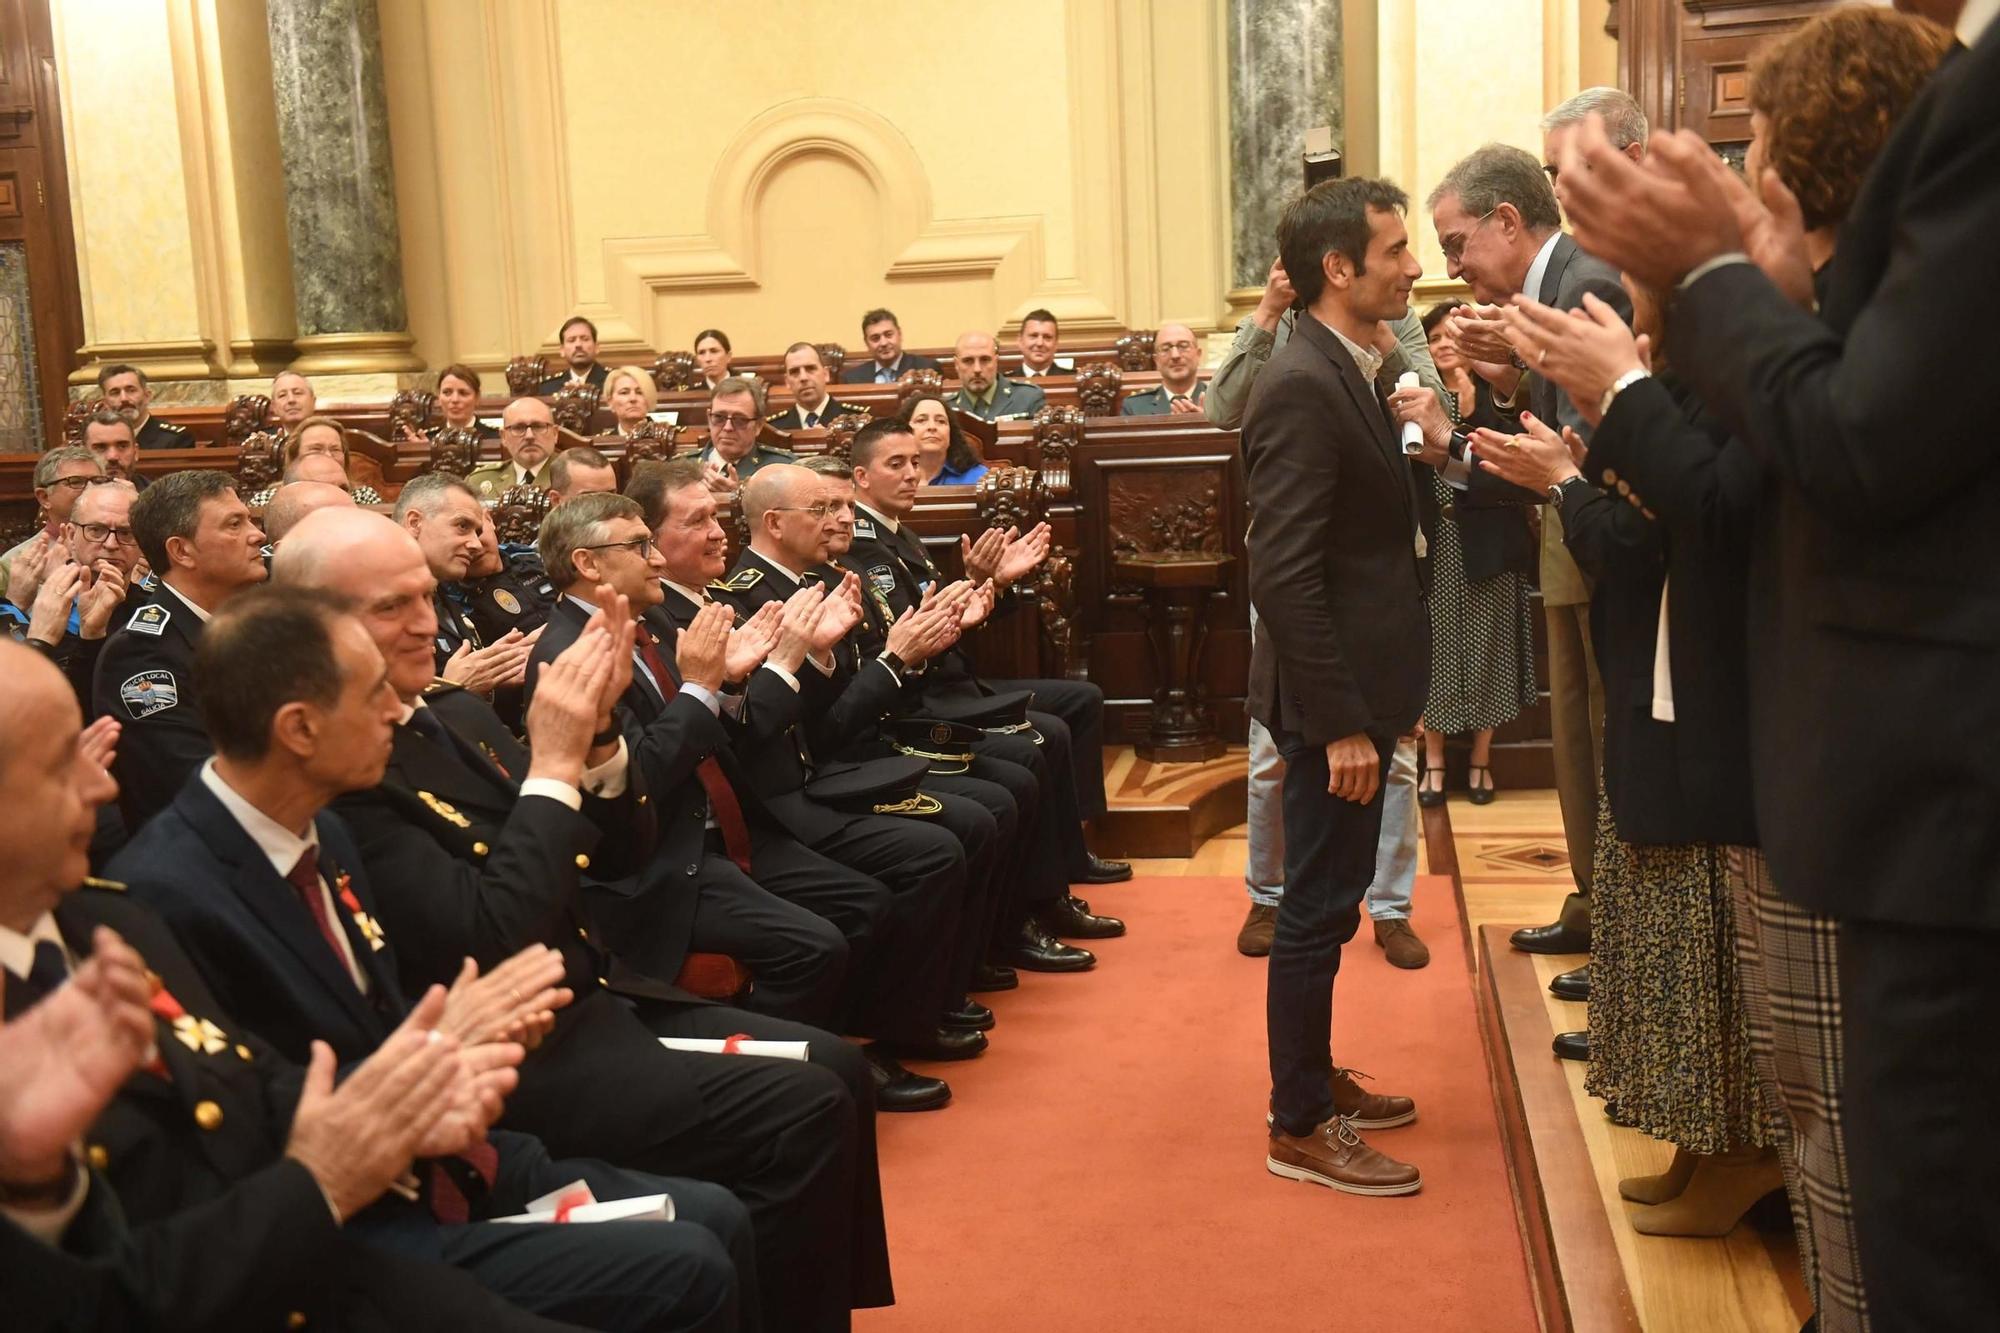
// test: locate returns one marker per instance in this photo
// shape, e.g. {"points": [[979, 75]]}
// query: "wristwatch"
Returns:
{"points": [[1556, 490], [48, 1194], [1619, 385], [893, 662]]}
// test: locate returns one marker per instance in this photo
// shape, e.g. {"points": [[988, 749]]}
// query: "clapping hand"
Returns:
{"points": [[701, 651], [564, 715], [501, 662], [1023, 555], [982, 558], [48, 621], [752, 641], [795, 626], [614, 616], [720, 477], [1585, 351], [102, 595], [838, 615], [29, 568], [1658, 219], [1536, 459], [515, 1002], [99, 741]]}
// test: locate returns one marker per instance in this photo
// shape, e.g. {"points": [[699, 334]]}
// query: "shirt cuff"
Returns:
{"points": [[1703, 269], [555, 789], [705, 696], [1457, 473], [825, 668], [47, 1225], [783, 675], [607, 780], [1251, 339]]}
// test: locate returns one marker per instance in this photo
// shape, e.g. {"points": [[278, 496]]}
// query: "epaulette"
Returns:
{"points": [[108, 885], [440, 685], [775, 415], [865, 528], [743, 580]]}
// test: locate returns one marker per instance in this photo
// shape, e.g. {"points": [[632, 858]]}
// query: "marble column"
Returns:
{"points": [[340, 188], [1284, 79]]}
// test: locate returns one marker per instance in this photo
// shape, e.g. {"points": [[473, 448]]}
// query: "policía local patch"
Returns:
{"points": [[507, 601], [148, 693], [882, 579]]}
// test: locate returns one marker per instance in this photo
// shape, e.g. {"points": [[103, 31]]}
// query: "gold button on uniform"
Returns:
{"points": [[208, 1115], [242, 1051], [480, 849], [582, 861], [97, 1156], [641, 800]]}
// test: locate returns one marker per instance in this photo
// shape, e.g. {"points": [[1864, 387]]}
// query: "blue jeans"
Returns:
{"points": [[1395, 854]]}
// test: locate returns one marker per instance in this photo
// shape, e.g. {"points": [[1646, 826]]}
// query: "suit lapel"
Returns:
{"points": [[1374, 414]]}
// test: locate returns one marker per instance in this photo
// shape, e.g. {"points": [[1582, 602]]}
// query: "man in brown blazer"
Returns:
{"points": [[1341, 660]]}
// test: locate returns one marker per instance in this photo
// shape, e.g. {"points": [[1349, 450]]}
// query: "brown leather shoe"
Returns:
{"points": [[1401, 944], [1334, 1155], [1254, 940], [1368, 1110]]}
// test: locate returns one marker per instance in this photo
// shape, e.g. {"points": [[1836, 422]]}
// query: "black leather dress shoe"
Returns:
{"points": [[1569, 934], [897, 1089], [1573, 985], [944, 1044], [1071, 918], [992, 977], [1572, 1045], [971, 1016], [1100, 871], [1033, 949]]}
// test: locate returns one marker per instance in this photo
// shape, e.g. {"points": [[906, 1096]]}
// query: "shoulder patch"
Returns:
{"points": [[882, 579], [743, 580], [507, 601], [150, 619], [149, 692], [441, 686]]}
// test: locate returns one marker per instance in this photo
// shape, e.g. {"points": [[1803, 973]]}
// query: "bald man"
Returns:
{"points": [[295, 500], [1177, 356], [528, 434], [982, 391]]}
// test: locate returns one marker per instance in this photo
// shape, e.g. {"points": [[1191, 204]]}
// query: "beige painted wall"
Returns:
{"points": [[1042, 154]]}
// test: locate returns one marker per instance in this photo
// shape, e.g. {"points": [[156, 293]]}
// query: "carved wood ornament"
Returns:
{"points": [[246, 416], [525, 372], [1097, 389], [260, 461], [454, 451], [517, 518]]}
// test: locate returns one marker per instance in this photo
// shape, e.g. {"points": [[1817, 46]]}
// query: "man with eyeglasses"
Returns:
{"points": [[1501, 231], [1177, 356], [812, 407], [528, 434], [732, 454], [60, 476], [87, 581], [983, 390]]}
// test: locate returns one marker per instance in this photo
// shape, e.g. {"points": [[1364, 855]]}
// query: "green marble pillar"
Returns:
{"points": [[340, 188], [1284, 78]]}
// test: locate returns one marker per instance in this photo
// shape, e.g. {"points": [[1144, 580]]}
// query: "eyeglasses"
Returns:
{"points": [[76, 483], [100, 532], [1454, 247], [733, 420], [639, 546], [520, 430], [817, 511]]}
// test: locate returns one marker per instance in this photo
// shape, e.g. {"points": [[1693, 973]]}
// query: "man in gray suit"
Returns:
{"points": [[1177, 356], [983, 391], [1501, 232]]}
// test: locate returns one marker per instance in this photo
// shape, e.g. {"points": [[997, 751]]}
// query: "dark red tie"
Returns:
{"points": [[722, 800], [305, 878]]}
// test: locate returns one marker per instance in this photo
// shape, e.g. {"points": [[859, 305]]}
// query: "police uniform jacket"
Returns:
{"points": [[1157, 402], [895, 570], [158, 434], [518, 597], [211, 1225], [1010, 400], [794, 417], [145, 679], [555, 384]]}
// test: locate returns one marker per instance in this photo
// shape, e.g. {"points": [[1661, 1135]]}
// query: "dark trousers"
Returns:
{"points": [[900, 989], [1058, 833], [697, 1272], [864, 1226], [1080, 705], [797, 957], [1000, 882], [1920, 1006], [1329, 863]]}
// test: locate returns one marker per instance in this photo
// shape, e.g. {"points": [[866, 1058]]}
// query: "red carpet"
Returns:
{"points": [[1102, 1166]]}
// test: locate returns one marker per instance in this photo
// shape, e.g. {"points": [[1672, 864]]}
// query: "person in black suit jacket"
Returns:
{"points": [[884, 336], [203, 546], [812, 406], [900, 983], [487, 843], [1342, 655], [127, 390], [578, 337], [221, 1130], [1882, 616]]}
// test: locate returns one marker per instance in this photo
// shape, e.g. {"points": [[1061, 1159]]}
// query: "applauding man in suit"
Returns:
{"points": [[1341, 660]]}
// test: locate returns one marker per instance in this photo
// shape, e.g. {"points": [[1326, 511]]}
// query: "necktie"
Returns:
{"points": [[50, 969], [305, 878], [1178, 398], [722, 802], [812, 421], [455, 1179]]}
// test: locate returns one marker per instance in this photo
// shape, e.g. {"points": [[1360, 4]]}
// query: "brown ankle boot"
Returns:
{"points": [[1667, 1185], [1368, 1110], [1720, 1191]]}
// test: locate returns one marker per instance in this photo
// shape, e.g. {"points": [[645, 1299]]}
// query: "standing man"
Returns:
{"points": [[983, 391], [1501, 232], [812, 407], [578, 337], [884, 337], [1342, 655], [1177, 356], [528, 434], [130, 394], [1037, 342]]}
